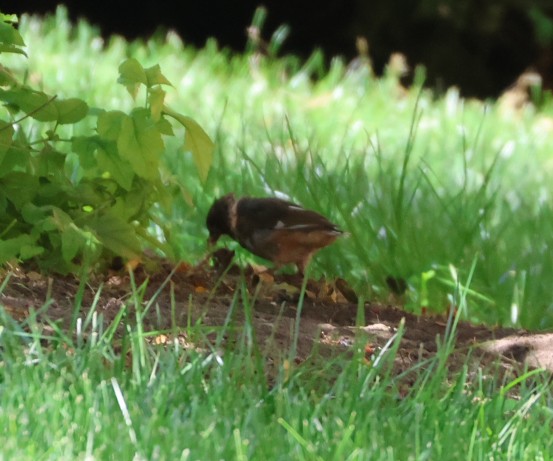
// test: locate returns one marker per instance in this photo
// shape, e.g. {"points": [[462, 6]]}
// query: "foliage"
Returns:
{"points": [[70, 197]]}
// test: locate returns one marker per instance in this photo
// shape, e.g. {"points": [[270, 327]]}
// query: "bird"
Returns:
{"points": [[274, 229]]}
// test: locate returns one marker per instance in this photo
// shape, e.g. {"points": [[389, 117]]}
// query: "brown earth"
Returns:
{"points": [[328, 322]]}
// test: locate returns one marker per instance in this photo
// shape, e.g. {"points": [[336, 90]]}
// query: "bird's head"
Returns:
{"points": [[218, 219]]}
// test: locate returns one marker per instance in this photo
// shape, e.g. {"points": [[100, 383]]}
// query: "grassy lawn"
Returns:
{"points": [[85, 402], [451, 195]]}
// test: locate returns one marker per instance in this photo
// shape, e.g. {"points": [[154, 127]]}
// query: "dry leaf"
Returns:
{"points": [[183, 267], [347, 291], [34, 276], [133, 263], [287, 288], [266, 277], [160, 339]]}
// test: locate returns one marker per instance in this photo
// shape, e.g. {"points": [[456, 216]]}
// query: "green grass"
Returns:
{"points": [[423, 183], [83, 395]]}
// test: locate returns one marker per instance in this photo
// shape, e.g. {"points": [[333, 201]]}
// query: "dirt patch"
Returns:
{"points": [[329, 319]]}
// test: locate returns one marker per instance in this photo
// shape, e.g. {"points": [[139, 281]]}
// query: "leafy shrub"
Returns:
{"points": [[74, 200]]}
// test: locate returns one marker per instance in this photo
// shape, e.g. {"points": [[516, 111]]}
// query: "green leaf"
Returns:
{"points": [[199, 143], [6, 77], [132, 75], [16, 158], [131, 71], [155, 77], [19, 188], [6, 138], [71, 110], [131, 206], [22, 246], [117, 168], [116, 234], [30, 251], [141, 144], [71, 242], [11, 49], [109, 124], [165, 127], [36, 104], [196, 141], [156, 98], [49, 163], [10, 35], [74, 240], [33, 214], [85, 147], [9, 18]]}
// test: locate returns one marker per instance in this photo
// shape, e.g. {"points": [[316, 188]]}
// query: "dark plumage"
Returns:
{"points": [[280, 231]]}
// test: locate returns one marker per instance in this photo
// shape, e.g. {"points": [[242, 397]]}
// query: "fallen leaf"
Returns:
{"points": [[265, 277], [346, 290], [160, 339], [183, 267], [133, 263], [34, 276], [287, 288]]}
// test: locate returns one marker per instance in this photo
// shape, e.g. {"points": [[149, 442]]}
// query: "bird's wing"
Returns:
{"points": [[272, 213]]}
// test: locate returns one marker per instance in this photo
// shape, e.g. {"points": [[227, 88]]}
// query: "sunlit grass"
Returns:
{"points": [[423, 183]]}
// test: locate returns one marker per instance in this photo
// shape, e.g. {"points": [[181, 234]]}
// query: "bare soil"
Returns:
{"points": [[328, 326]]}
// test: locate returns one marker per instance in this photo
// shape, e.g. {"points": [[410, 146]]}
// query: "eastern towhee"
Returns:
{"points": [[280, 231]]}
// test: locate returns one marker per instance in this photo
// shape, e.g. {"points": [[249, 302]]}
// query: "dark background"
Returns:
{"points": [[480, 45]]}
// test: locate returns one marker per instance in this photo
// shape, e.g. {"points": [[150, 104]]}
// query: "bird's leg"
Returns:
{"points": [[302, 264]]}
